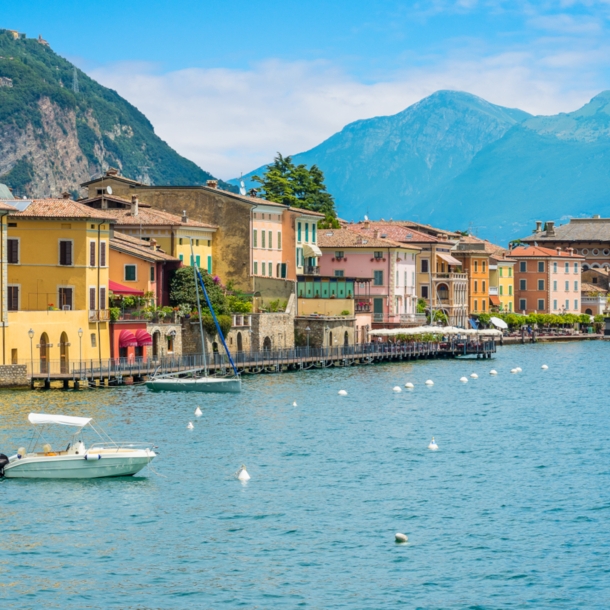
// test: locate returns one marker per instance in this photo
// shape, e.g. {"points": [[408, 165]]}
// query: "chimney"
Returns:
{"points": [[558, 251], [571, 251], [153, 244], [184, 216], [596, 216], [134, 205], [366, 224], [65, 195], [538, 226], [112, 171], [213, 184], [376, 233], [550, 227], [359, 240]]}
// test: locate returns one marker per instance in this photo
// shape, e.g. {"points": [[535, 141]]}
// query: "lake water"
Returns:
{"points": [[513, 511]]}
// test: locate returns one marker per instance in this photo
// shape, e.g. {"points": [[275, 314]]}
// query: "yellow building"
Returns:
{"points": [[170, 231], [56, 253], [501, 282]]}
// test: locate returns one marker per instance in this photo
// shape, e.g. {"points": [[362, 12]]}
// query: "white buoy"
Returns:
{"points": [[409, 385], [464, 379], [190, 426], [514, 371], [294, 404], [242, 474], [433, 446], [518, 369], [401, 538], [544, 367], [493, 372], [396, 389], [342, 393], [198, 412], [429, 382], [474, 376]]}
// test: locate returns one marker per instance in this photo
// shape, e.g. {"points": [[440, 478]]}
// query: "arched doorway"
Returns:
{"points": [[44, 353], [240, 345], [215, 347], [442, 292], [589, 311], [64, 354], [346, 339], [156, 339], [267, 344], [330, 338]]}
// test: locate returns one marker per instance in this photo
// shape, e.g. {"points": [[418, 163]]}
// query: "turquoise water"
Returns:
{"points": [[513, 511]]}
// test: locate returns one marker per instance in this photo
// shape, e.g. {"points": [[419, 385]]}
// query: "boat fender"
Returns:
{"points": [[3, 462], [99, 457]]}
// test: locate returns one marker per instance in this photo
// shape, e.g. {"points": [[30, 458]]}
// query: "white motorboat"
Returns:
{"points": [[103, 458], [194, 384]]}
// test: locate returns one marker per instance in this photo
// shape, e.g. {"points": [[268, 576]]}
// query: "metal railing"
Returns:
{"points": [[311, 270]]}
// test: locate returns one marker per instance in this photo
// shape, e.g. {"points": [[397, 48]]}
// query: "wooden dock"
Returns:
{"points": [[116, 371]]}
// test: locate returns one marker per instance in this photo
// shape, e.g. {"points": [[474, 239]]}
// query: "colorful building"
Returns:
{"points": [[501, 282], [546, 280], [475, 263]]}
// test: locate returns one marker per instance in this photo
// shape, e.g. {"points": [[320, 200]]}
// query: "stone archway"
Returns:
{"points": [[240, 343], [589, 311], [346, 338], [44, 353], [156, 342], [64, 353], [267, 344]]}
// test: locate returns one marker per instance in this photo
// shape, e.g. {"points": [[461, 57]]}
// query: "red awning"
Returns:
{"points": [[127, 339], [120, 289], [494, 300], [143, 338]]}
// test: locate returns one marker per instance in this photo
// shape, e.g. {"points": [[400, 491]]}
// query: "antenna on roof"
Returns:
{"points": [[242, 186], [366, 217]]}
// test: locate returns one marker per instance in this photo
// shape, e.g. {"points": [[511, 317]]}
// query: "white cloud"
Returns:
{"points": [[232, 121]]}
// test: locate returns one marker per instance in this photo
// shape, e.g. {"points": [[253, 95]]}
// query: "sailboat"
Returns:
{"points": [[172, 382]]}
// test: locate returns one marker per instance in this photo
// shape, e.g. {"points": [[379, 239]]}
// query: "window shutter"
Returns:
{"points": [[102, 297], [13, 298], [65, 252], [91, 254], [13, 251], [102, 254], [92, 299]]}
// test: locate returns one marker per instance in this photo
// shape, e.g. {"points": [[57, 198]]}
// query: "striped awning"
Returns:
{"points": [[127, 339], [143, 338]]}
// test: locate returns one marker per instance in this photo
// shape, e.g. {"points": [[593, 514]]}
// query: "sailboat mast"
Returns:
{"points": [[195, 272]]}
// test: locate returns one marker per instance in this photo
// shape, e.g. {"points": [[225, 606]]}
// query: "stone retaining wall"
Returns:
{"points": [[14, 376]]}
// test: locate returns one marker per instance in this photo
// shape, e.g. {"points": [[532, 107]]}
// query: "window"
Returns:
{"points": [[130, 273], [500, 271], [181, 257], [540, 304], [483, 305], [270, 269], [554, 285], [209, 264], [65, 252], [264, 268], [255, 238], [510, 272], [198, 260], [483, 270], [300, 259], [339, 255], [575, 267], [271, 240], [510, 291], [555, 304], [152, 274], [510, 306], [378, 278], [180, 240], [255, 267], [397, 278], [476, 286], [567, 304], [522, 284], [476, 305], [575, 286], [567, 265], [476, 266], [523, 266], [263, 234], [575, 304], [102, 297], [13, 298], [424, 292], [424, 265], [279, 240], [522, 304], [378, 254], [554, 267], [196, 242], [65, 298], [540, 284], [501, 291], [339, 273], [92, 298], [567, 285], [93, 340], [102, 254], [540, 266], [299, 232], [13, 251], [484, 287], [91, 254], [313, 234], [306, 231]]}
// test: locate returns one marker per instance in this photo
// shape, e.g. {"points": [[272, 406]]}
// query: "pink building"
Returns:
{"points": [[389, 264]]}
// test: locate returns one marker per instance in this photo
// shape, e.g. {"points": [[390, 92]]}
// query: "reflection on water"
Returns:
{"points": [[510, 512]]}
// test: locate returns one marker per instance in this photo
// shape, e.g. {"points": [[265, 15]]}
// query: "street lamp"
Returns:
{"points": [[308, 330], [80, 344], [31, 336]]}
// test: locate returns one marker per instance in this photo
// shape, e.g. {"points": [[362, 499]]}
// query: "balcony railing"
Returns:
{"points": [[413, 318], [449, 276], [362, 307], [239, 320], [99, 315], [311, 270], [493, 291]]}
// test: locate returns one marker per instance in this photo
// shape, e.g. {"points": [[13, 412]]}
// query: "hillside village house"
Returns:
{"points": [[57, 287], [389, 264], [588, 237], [547, 280]]}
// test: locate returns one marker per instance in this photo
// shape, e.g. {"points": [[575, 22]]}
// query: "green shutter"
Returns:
{"points": [[209, 264]]}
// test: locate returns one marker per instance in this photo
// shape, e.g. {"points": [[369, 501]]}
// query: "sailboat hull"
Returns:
{"points": [[203, 384]]}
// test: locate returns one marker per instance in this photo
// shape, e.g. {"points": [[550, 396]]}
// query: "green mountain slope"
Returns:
{"points": [[53, 138]]}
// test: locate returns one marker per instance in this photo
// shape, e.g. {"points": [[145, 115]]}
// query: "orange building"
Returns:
{"points": [[475, 262]]}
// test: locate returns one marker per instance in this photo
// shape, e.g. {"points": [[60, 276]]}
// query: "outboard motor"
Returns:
{"points": [[3, 462]]}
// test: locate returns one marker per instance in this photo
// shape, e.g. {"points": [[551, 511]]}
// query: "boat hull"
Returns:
{"points": [[205, 384], [77, 467]]}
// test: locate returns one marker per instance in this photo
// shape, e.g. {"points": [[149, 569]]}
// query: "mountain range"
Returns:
{"points": [[456, 161], [58, 127]]}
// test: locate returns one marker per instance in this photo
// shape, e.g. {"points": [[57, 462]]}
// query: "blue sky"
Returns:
{"points": [[228, 84]]}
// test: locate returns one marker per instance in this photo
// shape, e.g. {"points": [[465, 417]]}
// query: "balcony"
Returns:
{"points": [[493, 291], [311, 270], [241, 320], [413, 318], [449, 276], [99, 315], [362, 306]]}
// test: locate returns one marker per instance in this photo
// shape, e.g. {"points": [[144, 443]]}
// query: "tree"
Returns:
{"points": [[299, 187], [182, 291]]}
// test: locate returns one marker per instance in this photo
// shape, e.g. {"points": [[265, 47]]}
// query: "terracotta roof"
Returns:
{"points": [[57, 208], [346, 238], [424, 227], [578, 229], [394, 232], [121, 200], [586, 287], [138, 247], [489, 247], [539, 251]]}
